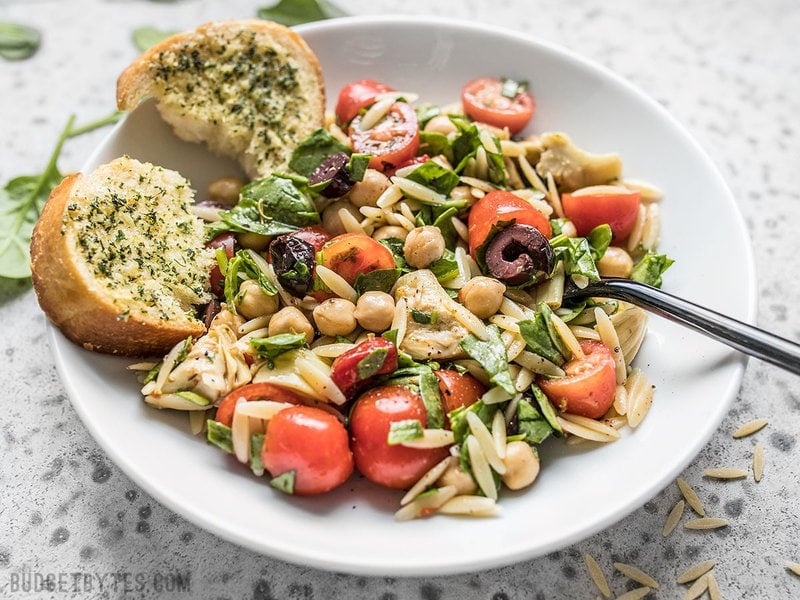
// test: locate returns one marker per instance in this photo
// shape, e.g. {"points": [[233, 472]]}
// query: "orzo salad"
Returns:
{"points": [[393, 305]]}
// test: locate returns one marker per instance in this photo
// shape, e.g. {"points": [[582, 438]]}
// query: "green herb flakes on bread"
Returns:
{"points": [[118, 260], [248, 89]]}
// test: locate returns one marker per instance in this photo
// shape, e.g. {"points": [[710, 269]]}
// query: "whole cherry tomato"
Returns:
{"points": [[392, 466], [313, 444]]}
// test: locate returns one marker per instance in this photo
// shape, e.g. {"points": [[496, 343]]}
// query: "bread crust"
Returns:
{"points": [[82, 310], [201, 108]]}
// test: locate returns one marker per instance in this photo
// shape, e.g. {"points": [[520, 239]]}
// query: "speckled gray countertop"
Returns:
{"points": [[729, 70]]}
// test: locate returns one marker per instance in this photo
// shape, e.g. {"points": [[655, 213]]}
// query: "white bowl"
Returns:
{"points": [[579, 491]]}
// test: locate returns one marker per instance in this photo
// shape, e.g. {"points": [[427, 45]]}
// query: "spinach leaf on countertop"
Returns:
{"points": [[17, 41], [296, 12]]}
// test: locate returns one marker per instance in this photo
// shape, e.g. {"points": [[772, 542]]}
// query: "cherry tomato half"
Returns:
{"points": [[355, 368], [458, 389], [352, 253], [483, 101], [500, 205], [392, 141], [313, 444], [589, 386], [357, 95], [392, 466], [255, 391], [592, 206]]}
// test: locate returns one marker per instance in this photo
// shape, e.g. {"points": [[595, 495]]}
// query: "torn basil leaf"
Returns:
{"points": [[284, 482], [404, 431]]}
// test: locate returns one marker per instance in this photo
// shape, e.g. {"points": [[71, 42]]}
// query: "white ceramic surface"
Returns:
{"points": [[579, 491]]}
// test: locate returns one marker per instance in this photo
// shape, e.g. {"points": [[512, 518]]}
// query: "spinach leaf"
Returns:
{"points": [[491, 354], [17, 41], [536, 334], [531, 424], [577, 256], [546, 408], [422, 380], [404, 431], [458, 418], [434, 143], [273, 346], [145, 38], [270, 206], [310, 153], [296, 12], [22, 199], [650, 268], [599, 239], [379, 280], [446, 267], [220, 435], [242, 263], [435, 176], [465, 146]]}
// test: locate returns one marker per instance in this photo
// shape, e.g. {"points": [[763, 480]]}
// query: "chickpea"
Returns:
{"points": [[390, 231], [367, 191], [225, 190], [482, 296], [252, 302], [616, 262], [456, 476], [423, 246], [441, 124], [291, 319], [335, 317], [330, 217], [522, 465], [375, 311]]}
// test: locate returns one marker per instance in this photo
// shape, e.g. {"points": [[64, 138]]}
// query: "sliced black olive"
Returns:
{"points": [[334, 171], [211, 311], [518, 253], [293, 260]]}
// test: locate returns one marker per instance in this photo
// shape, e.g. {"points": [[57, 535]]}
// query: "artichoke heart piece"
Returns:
{"points": [[432, 332], [573, 168]]}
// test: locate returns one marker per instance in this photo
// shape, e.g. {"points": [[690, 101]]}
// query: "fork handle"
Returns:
{"points": [[737, 334]]}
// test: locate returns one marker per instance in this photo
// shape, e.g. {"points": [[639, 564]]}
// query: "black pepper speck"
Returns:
{"points": [[5, 558], [131, 495], [88, 552], [145, 512]]}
